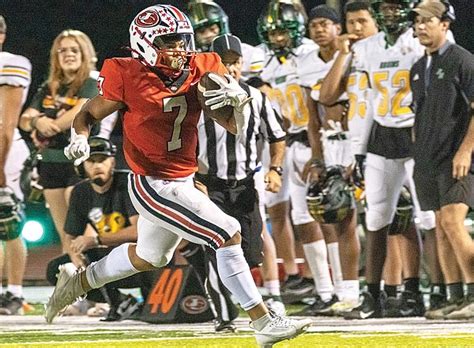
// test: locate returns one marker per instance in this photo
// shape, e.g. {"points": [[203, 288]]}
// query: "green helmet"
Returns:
{"points": [[399, 22], [331, 200], [287, 15], [204, 13], [11, 214]]}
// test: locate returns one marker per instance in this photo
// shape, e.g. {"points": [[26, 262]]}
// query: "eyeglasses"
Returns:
{"points": [[74, 50]]}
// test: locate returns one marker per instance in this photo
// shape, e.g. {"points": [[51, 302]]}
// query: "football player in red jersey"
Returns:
{"points": [[156, 93]]}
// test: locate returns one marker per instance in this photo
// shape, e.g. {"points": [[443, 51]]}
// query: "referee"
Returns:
{"points": [[227, 162], [443, 94]]}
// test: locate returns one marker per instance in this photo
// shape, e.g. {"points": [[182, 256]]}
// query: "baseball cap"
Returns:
{"points": [[429, 9], [101, 146], [225, 43]]}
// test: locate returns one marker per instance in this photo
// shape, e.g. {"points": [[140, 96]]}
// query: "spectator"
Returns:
{"points": [[49, 118], [100, 217]]}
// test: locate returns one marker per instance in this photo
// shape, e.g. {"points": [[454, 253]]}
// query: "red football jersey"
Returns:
{"points": [[159, 124]]}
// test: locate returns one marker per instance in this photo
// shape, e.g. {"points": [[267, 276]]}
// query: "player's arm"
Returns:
{"points": [[10, 108], [229, 93], [64, 121], [315, 166], [93, 111], [334, 83]]}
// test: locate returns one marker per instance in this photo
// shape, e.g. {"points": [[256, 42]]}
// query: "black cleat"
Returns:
{"points": [[225, 326], [368, 309], [412, 304], [301, 288], [318, 308], [10, 304], [392, 307]]}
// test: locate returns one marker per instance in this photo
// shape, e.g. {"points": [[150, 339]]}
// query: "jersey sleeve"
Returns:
{"points": [[210, 62], [110, 81], [76, 222], [16, 71]]}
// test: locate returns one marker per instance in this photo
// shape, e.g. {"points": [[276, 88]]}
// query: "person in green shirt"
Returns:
{"points": [[49, 118]]}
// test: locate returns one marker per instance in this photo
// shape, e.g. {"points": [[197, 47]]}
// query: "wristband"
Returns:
{"points": [[277, 169]]}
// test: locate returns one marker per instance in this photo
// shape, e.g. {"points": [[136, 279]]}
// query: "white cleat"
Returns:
{"points": [[275, 306], [67, 290], [280, 328]]}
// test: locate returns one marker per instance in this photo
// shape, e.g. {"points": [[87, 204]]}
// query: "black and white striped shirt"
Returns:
{"points": [[234, 157]]}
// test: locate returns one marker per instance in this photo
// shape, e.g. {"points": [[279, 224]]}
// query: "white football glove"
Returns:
{"points": [[78, 148], [229, 93]]}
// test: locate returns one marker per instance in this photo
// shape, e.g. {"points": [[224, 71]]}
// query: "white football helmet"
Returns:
{"points": [[156, 26]]}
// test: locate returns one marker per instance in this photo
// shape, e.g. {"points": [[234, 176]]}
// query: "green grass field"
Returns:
{"points": [[31, 331], [183, 339]]}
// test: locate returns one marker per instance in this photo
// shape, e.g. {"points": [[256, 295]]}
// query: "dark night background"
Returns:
{"points": [[33, 24]]}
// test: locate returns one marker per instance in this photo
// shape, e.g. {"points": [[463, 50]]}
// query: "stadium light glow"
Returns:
{"points": [[32, 231]]}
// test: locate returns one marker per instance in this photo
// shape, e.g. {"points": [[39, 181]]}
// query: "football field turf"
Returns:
{"points": [[31, 331]]}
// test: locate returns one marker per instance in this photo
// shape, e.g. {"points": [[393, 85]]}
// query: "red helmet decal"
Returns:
{"points": [[147, 19]]}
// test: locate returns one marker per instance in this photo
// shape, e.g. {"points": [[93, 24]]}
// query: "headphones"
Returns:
{"points": [[449, 14], [98, 146]]}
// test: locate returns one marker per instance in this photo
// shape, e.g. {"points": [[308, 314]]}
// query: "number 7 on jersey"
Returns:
{"points": [[168, 105]]}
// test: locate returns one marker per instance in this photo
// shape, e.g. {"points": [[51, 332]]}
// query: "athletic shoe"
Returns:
{"points": [[11, 305], [291, 281], [318, 308], [369, 308], [437, 300], [304, 287], [444, 309], [276, 306], [392, 307], [280, 328], [412, 304], [68, 289], [224, 326], [341, 307], [464, 311]]}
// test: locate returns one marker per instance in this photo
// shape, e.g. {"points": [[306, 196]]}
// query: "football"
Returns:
{"points": [[207, 84]]}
